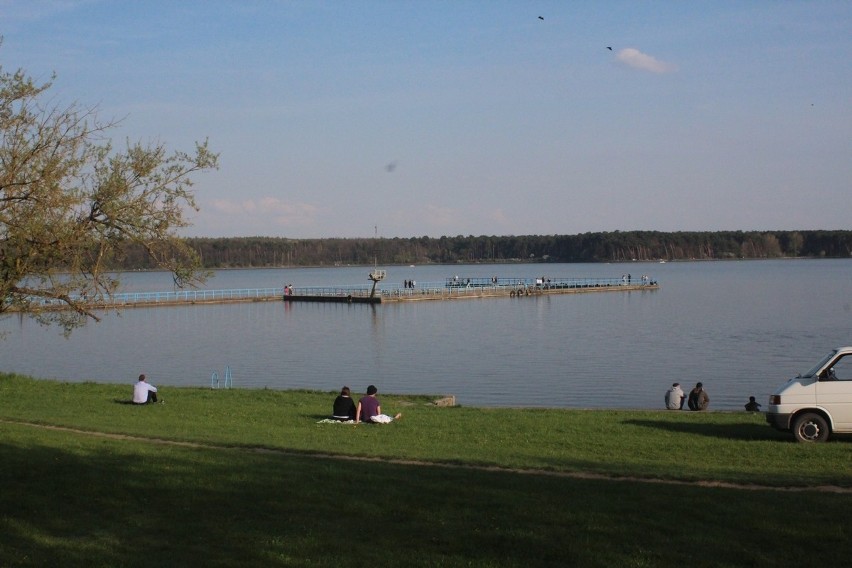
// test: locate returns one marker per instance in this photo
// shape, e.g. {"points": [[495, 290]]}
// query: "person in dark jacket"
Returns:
{"points": [[752, 405], [698, 399], [344, 407]]}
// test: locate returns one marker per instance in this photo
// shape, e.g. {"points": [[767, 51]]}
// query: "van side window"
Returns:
{"points": [[840, 371]]}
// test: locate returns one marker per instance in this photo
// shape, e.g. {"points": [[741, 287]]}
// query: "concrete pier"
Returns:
{"points": [[468, 288], [452, 289]]}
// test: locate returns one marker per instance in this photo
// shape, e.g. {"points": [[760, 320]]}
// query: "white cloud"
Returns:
{"points": [[268, 209], [440, 216], [425, 219], [497, 215], [638, 60], [230, 207]]}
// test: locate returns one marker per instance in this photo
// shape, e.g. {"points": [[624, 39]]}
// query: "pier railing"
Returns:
{"points": [[462, 287], [331, 291], [451, 287], [175, 297]]}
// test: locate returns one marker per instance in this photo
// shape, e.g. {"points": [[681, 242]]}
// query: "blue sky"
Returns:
{"points": [[412, 118]]}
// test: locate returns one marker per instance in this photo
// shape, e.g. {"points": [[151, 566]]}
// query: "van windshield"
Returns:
{"points": [[819, 365]]}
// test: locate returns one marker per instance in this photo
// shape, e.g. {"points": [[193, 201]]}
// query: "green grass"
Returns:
{"points": [[77, 499]]}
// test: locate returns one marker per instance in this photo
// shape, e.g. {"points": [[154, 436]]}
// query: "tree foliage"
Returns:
{"points": [[71, 206], [615, 246]]}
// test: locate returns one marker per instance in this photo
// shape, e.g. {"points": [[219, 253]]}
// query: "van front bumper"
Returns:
{"points": [[779, 421]]}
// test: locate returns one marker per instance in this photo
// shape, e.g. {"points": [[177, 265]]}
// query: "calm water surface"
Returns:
{"points": [[741, 327]]}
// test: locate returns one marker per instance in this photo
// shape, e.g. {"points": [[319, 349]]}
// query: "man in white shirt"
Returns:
{"points": [[144, 393]]}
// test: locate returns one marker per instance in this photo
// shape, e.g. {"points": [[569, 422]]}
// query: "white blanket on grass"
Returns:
{"points": [[378, 419]]}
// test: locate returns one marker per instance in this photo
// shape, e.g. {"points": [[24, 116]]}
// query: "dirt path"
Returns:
{"points": [[538, 472]]}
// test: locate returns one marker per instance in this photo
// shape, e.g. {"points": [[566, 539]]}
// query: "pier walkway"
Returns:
{"points": [[458, 288], [452, 288], [175, 298]]}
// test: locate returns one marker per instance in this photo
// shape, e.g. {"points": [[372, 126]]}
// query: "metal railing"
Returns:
{"points": [[450, 287], [178, 296], [479, 286], [329, 291], [195, 295]]}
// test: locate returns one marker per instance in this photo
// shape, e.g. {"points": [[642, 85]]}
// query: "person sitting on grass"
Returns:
{"points": [[752, 405], [698, 398], [370, 410], [344, 408], [143, 393], [675, 397]]}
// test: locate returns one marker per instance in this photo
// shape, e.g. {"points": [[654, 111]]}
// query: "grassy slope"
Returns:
{"points": [[80, 500]]}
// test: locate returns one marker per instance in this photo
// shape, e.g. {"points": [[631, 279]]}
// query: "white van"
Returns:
{"points": [[817, 403]]}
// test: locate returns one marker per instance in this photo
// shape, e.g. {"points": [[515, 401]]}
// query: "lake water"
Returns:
{"points": [[740, 327]]}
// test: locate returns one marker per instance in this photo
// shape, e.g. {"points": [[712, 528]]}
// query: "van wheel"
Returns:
{"points": [[810, 428]]}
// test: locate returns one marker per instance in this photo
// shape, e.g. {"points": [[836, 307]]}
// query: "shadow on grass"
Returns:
{"points": [[127, 402], [75, 501], [317, 417], [114, 504], [741, 431]]}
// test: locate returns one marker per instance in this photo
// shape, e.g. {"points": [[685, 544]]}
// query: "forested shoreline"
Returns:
{"points": [[616, 246]]}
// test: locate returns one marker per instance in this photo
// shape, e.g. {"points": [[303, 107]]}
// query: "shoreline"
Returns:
{"points": [[492, 263], [404, 399]]}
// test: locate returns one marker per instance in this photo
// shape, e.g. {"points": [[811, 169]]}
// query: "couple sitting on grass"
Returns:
{"points": [[368, 410]]}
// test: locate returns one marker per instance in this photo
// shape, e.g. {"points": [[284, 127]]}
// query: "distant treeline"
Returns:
{"points": [[239, 252]]}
